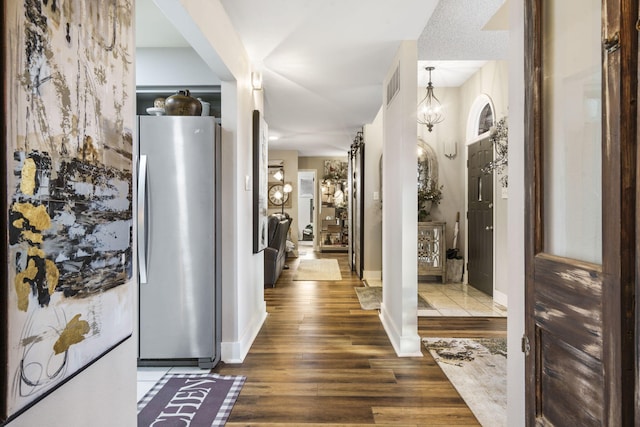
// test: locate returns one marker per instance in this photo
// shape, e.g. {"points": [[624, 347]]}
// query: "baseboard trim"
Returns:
{"points": [[405, 346], [500, 298], [236, 351]]}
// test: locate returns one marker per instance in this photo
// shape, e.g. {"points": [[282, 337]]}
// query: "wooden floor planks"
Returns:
{"points": [[321, 360]]}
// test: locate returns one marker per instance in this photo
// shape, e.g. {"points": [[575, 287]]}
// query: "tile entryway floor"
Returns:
{"points": [[454, 299], [457, 299]]}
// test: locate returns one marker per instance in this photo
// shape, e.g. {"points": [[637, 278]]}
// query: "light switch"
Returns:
{"points": [[376, 195], [247, 183]]}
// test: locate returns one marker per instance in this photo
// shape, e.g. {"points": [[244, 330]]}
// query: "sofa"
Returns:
{"points": [[275, 254]]}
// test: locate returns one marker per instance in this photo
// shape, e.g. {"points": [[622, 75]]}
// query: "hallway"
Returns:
{"points": [[320, 359]]}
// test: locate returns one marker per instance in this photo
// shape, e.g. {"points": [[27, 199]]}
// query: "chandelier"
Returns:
{"points": [[430, 109]]}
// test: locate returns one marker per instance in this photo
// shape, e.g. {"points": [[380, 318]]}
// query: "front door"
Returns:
{"points": [[480, 217], [580, 193]]}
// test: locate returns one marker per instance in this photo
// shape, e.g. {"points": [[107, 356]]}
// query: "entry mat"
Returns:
{"points": [[190, 399]]}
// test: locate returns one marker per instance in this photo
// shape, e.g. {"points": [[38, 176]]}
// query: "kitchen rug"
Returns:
{"points": [[477, 368], [190, 399], [318, 269]]}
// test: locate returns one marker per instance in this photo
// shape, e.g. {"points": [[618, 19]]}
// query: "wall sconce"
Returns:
{"points": [[450, 150], [256, 80]]}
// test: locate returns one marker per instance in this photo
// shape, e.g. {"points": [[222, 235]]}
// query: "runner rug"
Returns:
{"points": [[477, 368], [318, 269], [189, 399]]}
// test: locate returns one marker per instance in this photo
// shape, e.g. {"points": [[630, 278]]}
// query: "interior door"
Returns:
{"points": [[351, 209], [358, 207], [480, 217], [580, 193]]}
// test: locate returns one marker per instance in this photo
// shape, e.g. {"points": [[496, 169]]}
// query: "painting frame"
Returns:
{"points": [[66, 199], [336, 169], [260, 144]]}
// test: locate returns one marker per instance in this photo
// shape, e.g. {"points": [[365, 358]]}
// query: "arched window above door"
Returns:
{"points": [[486, 120], [481, 117]]}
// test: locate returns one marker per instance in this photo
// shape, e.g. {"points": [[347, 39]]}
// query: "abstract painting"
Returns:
{"points": [[67, 203]]}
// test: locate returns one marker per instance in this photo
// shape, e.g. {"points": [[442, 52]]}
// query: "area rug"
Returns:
{"points": [[477, 368], [190, 399], [318, 269], [370, 298]]}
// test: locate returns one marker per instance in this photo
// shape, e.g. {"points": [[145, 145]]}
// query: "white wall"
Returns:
{"points": [[515, 224], [399, 208], [172, 66], [372, 208]]}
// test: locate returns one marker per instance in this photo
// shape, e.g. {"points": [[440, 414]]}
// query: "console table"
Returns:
{"points": [[431, 250]]}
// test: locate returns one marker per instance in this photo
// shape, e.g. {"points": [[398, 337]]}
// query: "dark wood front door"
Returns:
{"points": [[580, 194], [480, 217]]}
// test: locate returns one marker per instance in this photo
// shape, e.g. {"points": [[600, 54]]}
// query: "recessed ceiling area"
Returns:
{"points": [[323, 62]]}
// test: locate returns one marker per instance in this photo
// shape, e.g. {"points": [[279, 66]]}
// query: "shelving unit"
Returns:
{"points": [[334, 234]]}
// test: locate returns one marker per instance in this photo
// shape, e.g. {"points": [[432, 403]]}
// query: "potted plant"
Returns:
{"points": [[427, 197]]}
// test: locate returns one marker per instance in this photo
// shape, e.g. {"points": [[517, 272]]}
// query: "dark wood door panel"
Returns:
{"points": [[570, 384], [568, 302], [480, 217]]}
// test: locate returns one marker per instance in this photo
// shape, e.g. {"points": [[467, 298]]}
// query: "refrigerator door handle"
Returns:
{"points": [[142, 219]]}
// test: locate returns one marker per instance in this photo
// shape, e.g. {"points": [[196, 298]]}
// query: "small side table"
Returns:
{"points": [[432, 257]]}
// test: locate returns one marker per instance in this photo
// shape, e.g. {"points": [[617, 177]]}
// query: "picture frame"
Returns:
{"points": [[336, 169], [260, 175], [67, 196]]}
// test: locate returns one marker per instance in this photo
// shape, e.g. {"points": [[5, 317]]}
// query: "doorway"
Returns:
{"points": [[480, 201], [306, 210]]}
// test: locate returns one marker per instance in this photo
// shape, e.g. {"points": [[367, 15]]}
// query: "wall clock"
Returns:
{"points": [[275, 188]]}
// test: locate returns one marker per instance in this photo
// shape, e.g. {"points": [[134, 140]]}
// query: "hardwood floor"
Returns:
{"points": [[321, 359]]}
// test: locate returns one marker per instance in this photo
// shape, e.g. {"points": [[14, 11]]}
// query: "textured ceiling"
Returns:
{"points": [[323, 61], [455, 32]]}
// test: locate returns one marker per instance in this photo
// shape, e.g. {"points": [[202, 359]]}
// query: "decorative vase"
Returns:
{"points": [[182, 104], [426, 206], [424, 210]]}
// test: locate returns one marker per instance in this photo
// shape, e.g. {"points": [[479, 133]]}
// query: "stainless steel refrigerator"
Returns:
{"points": [[178, 236]]}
